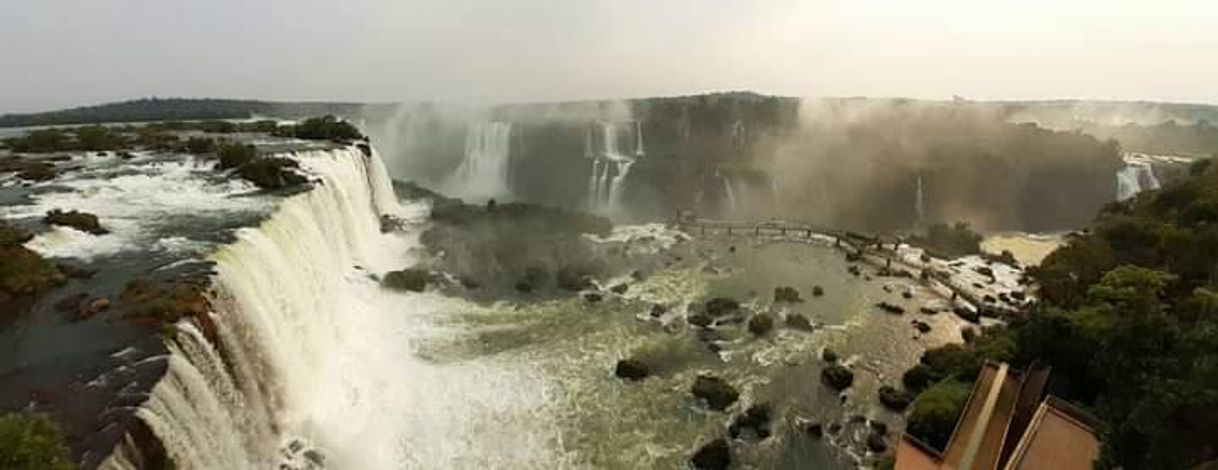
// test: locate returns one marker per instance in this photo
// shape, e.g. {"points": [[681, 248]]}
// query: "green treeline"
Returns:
{"points": [[1128, 320]]}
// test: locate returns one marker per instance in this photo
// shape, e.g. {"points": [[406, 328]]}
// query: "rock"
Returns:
{"points": [[968, 333], [837, 377], [853, 257], [876, 443], [593, 297], [854, 270], [817, 291], [1018, 295], [271, 172], [761, 324], [82, 221], [631, 369], [525, 287], [93, 307], [574, 281], [918, 377], [699, 319], [714, 455], [907, 294], [37, 172], [756, 420], [11, 235], [928, 310], [797, 321], [71, 302], [315, 456], [717, 392], [921, 326], [720, 306], [835, 428], [658, 310], [879, 427], [786, 294], [815, 430], [891, 308], [968, 314], [619, 289], [410, 279], [984, 271], [828, 356], [989, 299], [894, 398]]}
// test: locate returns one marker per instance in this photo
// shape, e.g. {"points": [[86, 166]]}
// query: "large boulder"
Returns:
{"points": [[631, 369], [761, 324], [721, 306], [755, 420], [894, 399], [714, 455], [717, 393], [411, 279], [786, 294], [78, 220], [817, 291], [799, 322], [967, 314], [837, 377], [891, 308]]}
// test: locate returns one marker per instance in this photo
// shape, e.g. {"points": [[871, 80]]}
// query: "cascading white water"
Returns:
{"points": [[312, 357], [1136, 176], [919, 208], [485, 169], [727, 191], [605, 190]]}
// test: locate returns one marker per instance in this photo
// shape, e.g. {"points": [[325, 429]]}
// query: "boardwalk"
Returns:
{"points": [[876, 250]]}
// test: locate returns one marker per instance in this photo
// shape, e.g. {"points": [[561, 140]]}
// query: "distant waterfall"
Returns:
{"points": [[485, 169], [919, 201], [1135, 177], [610, 163]]}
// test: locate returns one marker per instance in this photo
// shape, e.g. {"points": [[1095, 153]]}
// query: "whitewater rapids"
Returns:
{"points": [[317, 366]]}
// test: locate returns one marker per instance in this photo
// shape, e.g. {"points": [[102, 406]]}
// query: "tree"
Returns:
{"points": [[31, 441]]}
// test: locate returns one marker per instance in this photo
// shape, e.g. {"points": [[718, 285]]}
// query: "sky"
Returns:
{"points": [[63, 53]]}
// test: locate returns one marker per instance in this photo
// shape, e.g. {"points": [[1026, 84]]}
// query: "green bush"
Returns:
{"points": [[233, 155], [326, 128], [935, 411], [30, 441]]}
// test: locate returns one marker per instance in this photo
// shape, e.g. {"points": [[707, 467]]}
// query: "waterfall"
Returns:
{"points": [[278, 291], [919, 203], [605, 190], [484, 171], [727, 191], [1136, 176]]}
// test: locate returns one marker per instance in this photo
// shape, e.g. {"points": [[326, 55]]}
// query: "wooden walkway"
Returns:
{"points": [[870, 249]]}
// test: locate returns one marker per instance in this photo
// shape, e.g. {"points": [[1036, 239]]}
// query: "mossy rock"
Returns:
{"points": [[78, 220], [837, 377], [24, 272], [631, 369], [717, 393], [714, 455], [272, 173], [11, 235], [413, 280], [786, 294], [167, 301], [893, 398], [761, 324]]}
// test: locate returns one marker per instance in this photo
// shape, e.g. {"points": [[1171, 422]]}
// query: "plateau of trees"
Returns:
{"points": [[1128, 320]]}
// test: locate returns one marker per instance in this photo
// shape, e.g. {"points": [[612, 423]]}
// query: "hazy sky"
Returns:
{"points": [[58, 53]]}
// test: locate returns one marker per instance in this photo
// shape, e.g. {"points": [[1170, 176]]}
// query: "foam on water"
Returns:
{"points": [[135, 200]]}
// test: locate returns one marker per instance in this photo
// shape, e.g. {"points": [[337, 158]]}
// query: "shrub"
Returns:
{"points": [[30, 441], [935, 411], [327, 128], [271, 172], [233, 155]]}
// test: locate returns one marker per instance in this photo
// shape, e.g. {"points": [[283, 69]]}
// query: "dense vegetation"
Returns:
{"points": [[949, 241], [22, 271], [1169, 138], [30, 441], [171, 109], [1128, 321]]}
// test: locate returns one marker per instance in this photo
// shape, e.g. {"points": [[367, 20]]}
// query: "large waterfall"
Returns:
{"points": [[485, 169], [610, 163], [314, 362], [1138, 175]]}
